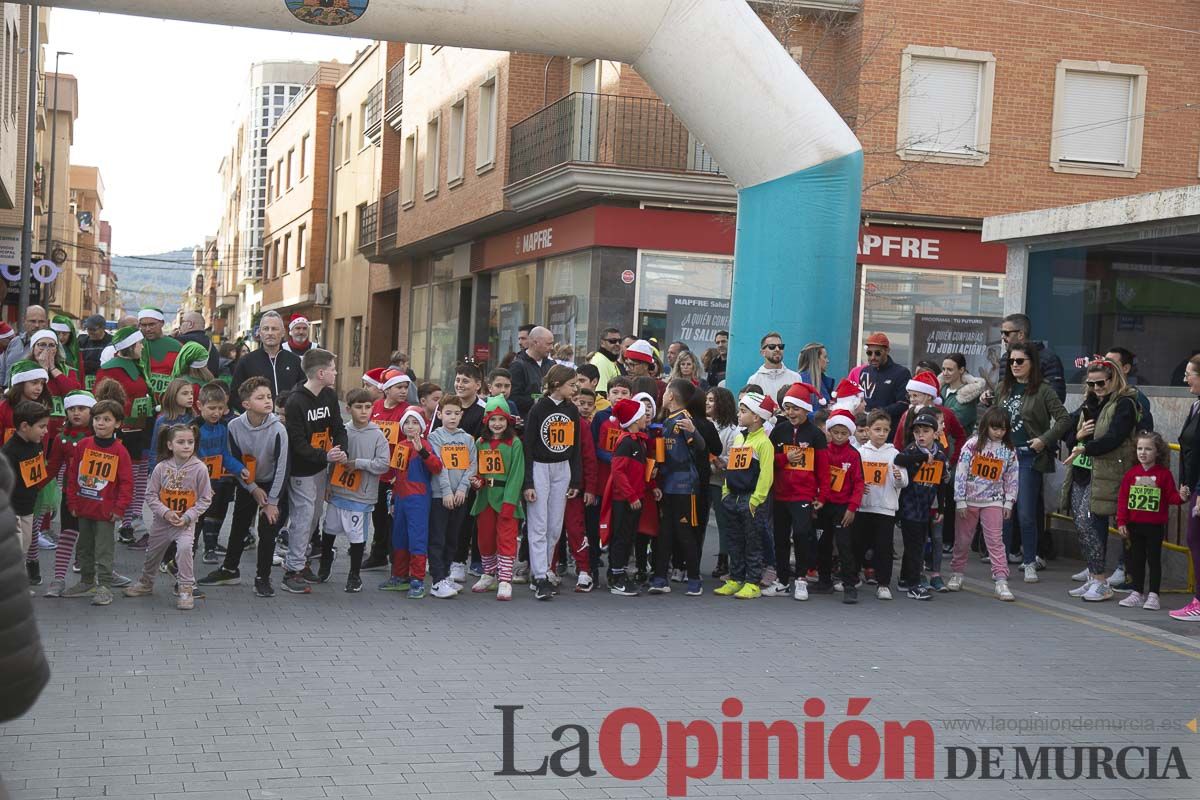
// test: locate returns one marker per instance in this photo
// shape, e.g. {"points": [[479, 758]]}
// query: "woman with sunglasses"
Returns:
{"points": [[1189, 483], [1105, 433], [1038, 421], [812, 365]]}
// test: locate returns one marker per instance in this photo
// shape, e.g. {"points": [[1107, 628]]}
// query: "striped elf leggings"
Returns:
{"points": [[141, 474]]}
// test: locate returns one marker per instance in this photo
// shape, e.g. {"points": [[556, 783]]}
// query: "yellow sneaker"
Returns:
{"points": [[728, 588], [749, 591]]}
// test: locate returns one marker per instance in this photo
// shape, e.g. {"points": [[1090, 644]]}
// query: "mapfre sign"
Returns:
{"points": [[931, 248]]}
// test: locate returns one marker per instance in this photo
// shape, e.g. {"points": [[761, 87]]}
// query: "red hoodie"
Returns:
{"points": [[388, 420], [99, 481], [845, 476], [63, 446], [1150, 502]]}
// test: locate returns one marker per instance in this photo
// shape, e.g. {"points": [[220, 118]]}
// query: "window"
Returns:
{"points": [[304, 156], [275, 261], [291, 156], [457, 143], [345, 235], [337, 225], [337, 143], [349, 138], [283, 257], [362, 126], [945, 112], [412, 57], [408, 174], [433, 141], [485, 135], [356, 336], [339, 334], [1098, 114], [278, 177], [270, 180], [267, 253], [301, 261]]}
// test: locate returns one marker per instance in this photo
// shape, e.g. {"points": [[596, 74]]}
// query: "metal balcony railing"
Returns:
{"points": [[368, 221], [394, 91], [607, 130], [389, 218]]}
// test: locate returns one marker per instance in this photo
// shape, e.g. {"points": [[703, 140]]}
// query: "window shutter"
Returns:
{"points": [[1094, 124], [943, 105]]}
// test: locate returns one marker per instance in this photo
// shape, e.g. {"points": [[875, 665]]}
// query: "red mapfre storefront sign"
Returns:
{"points": [[929, 248]]}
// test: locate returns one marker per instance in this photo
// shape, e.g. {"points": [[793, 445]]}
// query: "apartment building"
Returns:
{"points": [[90, 255], [60, 97]]}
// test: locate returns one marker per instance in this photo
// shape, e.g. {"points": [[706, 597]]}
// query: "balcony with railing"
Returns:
{"points": [[394, 95], [368, 226], [609, 144]]}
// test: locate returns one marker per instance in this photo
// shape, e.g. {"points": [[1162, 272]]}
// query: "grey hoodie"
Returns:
{"points": [[190, 477], [367, 451], [267, 444], [449, 481]]}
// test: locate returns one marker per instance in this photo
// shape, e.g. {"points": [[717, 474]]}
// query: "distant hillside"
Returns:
{"points": [[158, 280]]}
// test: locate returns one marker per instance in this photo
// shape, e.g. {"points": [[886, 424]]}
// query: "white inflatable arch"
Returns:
{"points": [[797, 166]]}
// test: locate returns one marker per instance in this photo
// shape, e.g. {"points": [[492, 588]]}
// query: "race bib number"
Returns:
{"points": [[349, 479], [391, 430], [611, 435], [321, 440], [33, 471], [157, 382], [930, 473], [90, 382], [875, 472], [58, 409], [491, 462], [177, 500], [1083, 461], [986, 468], [215, 469], [456, 456], [560, 434], [400, 457], [805, 464], [98, 465], [660, 450], [8, 434], [251, 464], [837, 478], [1145, 498], [740, 458], [142, 407]]}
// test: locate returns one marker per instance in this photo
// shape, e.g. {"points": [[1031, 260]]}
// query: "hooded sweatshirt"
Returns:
{"points": [[456, 449], [883, 490], [314, 426], [974, 484], [99, 481], [182, 488], [264, 450], [357, 481], [28, 461]]}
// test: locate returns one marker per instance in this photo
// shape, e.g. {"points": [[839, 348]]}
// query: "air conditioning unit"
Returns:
{"points": [[321, 294]]}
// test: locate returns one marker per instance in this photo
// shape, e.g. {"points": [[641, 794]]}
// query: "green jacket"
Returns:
{"points": [[1109, 469], [508, 488], [1045, 419]]}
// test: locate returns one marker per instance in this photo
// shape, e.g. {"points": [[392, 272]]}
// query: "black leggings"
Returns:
{"points": [[875, 532], [678, 531], [245, 509], [1145, 547]]}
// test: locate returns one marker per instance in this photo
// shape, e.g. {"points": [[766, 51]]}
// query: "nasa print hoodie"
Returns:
{"points": [[314, 426]]}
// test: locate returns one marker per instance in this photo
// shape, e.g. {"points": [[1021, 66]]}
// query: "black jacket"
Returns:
{"points": [[23, 668], [199, 337], [283, 375], [309, 415], [886, 388], [527, 381], [540, 445], [1189, 450], [91, 351], [17, 450]]}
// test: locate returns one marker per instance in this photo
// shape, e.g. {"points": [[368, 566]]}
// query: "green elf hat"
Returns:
{"points": [[79, 399], [192, 355], [24, 371], [150, 312], [496, 406], [126, 337], [62, 324]]}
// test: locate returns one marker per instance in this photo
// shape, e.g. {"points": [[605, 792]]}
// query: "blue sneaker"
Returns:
{"points": [[659, 586], [394, 584], [937, 584], [416, 590], [476, 569], [695, 588]]}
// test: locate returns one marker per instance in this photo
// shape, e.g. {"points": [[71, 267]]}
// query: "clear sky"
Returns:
{"points": [[157, 101]]}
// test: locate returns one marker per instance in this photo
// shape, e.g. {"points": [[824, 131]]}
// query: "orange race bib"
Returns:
{"points": [[349, 479], [215, 469], [930, 473], [560, 433], [987, 468], [837, 478], [251, 464], [740, 458], [875, 472], [611, 435], [456, 456], [391, 430], [33, 471], [8, 434], [491, 462], [805, 464], [177, 500], [98, 465], [400, 457], [321, 440]]}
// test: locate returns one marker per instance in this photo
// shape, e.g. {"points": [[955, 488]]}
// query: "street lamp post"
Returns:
{"points": [[53, 158], [30, 162]]}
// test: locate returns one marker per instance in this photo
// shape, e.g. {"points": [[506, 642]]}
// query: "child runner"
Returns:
{"points": [[846, 488], [176, 410], [928, 468], [468, 381], [178, 494], [386, 413], [415, 464], [747, 496], [501, 474], [875, 523], [451, 487], [222, 467], [628, 485], [78, 406], [429, 397], [679, 481], [985, 491], [578, 514], [1147, 492], [26, 455], [722, 410]]}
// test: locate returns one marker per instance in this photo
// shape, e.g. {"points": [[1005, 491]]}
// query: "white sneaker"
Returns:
{"points": [[455, 585], [1151, 603], [677, 576], [521, 572], [800, 592], [1098, 592], [955, 583], [503, 591], [883, 593], [458, 571], [837, 586], [552, 576], [443, 590], [1082, 576], [1031, 575], [485, 584], [1003, 592], [1080, 591], [46, 543], [1118, 577], [1040, 563], [583, 582], [776, 589], [1132, 600]]}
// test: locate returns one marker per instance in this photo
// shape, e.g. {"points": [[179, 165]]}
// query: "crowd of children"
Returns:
{"points": [[807, 499]]}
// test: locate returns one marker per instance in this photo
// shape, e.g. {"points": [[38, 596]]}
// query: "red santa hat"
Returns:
{"points": [[847, 395], [841, 416], [763, 406], [641, 350], [394, 377], [6, 331], [296, 319], [926, 383], [628, 412], [803, 395], [643, 396], [412, 411], [374, 377]]}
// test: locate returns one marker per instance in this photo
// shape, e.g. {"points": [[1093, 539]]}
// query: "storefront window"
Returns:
{"points": [[664, 274], [514, 297], [418, 340], [567, 287], [892, 297], [1138, 295]]}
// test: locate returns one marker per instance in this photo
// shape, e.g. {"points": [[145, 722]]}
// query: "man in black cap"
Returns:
{"points": [[92, 341]]}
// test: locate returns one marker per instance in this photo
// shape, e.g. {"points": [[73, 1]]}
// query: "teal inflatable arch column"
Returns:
{"points": [[797, 166]]}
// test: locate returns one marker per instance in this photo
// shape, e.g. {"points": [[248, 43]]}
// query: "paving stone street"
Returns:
{"points": [[339, 696]]}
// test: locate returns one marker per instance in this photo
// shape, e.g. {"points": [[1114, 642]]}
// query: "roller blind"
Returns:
{"points": [[1094, 122], [943, 105]]}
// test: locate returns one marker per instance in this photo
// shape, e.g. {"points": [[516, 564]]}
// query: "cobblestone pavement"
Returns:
{"points": [[335, 695]]}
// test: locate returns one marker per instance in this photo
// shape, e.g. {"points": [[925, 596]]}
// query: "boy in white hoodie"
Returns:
{"points": [[875, 523]]}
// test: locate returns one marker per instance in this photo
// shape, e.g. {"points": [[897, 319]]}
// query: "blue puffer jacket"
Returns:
{"points": [[214, 441]]}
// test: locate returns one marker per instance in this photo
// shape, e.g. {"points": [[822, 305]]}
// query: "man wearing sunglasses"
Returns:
{"points": [[1015, 329], [773, 375], [718, 360], [883, 381], [608, 358]]}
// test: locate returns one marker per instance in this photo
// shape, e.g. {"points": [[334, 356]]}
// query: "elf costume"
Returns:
{"points": [[62, 324], [159, 355], [498, 499], [126, 369]]}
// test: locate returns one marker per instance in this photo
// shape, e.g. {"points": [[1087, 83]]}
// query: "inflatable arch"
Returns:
{"points": [[795, 163]]}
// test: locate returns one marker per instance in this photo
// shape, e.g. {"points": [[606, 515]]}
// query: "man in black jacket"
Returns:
{"points": [[92, 342], [1017, 328], [269, 361], [191, 329], [529, 368], [883, 381]]}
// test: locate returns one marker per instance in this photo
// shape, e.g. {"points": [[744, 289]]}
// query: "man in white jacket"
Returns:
{"points": [[772, 375]]}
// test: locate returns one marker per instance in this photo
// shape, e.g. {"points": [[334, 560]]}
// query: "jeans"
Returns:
{"points": [[714, 497], [1029, 491], [747, 534]]}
